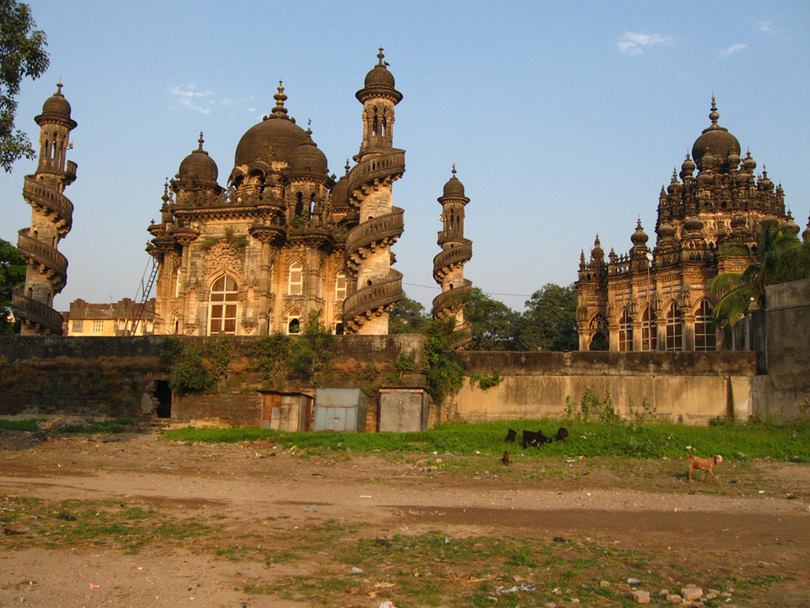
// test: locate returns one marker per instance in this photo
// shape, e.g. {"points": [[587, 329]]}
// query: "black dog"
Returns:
{"points": [[510, 435], [535, 439], [562, 434]]}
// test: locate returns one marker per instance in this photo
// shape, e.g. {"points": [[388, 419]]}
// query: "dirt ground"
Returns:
{"points": [[753, 528]]}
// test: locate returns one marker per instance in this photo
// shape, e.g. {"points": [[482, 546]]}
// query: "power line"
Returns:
{"points": [[489, 293]]}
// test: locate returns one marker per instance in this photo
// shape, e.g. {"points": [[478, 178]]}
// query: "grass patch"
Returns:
{"points": [[587, 438], [32, 522], [29, 424]]}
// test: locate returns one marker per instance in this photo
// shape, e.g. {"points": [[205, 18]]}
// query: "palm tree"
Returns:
{"points": [[779, 257]]}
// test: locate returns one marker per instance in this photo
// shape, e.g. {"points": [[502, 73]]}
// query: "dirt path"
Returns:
{"points": [[256, 487]]}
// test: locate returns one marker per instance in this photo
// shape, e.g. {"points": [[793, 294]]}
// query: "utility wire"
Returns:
{"points": [[491, 293]]}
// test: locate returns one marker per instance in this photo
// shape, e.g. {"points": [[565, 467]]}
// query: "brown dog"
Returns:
{"points": [[505, 458], [704, 464]]}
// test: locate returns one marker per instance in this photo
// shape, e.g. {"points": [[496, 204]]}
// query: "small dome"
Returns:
{"points": [[453, 188], [639, 237], [308, 159], [56, 107], [749, 164], [717, 138], [693, 224], [790, 224], [666, 230], [340, 193], [275, 138], [688, 166], [198, 165], [379, 81], [597, 251]]}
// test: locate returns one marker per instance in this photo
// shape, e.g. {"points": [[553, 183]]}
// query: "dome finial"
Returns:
{"points": [[347, 166], [309, 126], [453, 170], [59, 86], [381, 56], [280, 111], [200, 141], [714, 115]]}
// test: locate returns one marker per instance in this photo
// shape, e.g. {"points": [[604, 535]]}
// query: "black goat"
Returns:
{"points": [[510, 435], [562, 434], [534, 438]]}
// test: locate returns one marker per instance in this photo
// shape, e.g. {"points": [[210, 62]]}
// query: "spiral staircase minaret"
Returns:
{"points": [[51, 220], [368, 245], [448, 265]]}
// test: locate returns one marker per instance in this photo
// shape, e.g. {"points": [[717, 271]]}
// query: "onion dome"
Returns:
{"points": [[790, 224], [688, 167], [379, 82], [308, 159], [666, 230], [717, 138], [733, 160], [639, 237], [273, 139], [674, 184], [453, 188], [693, 224], [198, 165], [56, 108], [764, 181], [597, 251], [748, 163]]}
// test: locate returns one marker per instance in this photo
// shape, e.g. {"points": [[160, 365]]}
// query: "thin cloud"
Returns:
{"points": [[635, 43], [192, 98], [734, 48], [764, 26]]}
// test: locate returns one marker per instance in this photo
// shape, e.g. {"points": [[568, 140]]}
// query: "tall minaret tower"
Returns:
{"points": [[51, 220], [368, 245], [448, 265]]}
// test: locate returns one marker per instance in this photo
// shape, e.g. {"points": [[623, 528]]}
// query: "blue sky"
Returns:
{"points": [[563, 118]]}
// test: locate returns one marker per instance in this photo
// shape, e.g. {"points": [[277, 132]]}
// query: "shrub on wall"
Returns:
{"points": [[445, 372]]}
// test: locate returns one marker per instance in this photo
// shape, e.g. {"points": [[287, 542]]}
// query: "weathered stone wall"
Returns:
{"points": [[77, 376], [688, 386], [785, 391]]}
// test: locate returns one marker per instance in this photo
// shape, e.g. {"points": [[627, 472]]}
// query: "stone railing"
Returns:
{"points": [[387, 227], [36, 313], [449, 257], [44, 255], [377, 167], [371, 298], [447, 302], [37, 193]]}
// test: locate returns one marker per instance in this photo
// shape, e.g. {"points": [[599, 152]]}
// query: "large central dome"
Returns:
{"points": [[273, 139], [715, 139]]}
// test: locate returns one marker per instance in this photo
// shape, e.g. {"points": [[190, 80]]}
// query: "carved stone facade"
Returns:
{"points": [[283, 239], [51, 220], [657, 299], [448, 265]]}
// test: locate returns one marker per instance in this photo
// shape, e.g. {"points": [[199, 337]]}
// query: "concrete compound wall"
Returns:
{"points": [[785, 391], [692, 387]]}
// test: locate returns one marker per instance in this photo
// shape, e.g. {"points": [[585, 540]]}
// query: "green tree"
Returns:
{"points": [[22, 54], [12, 275], [779, 257], [495, 326], [550, 319], [407, 317]]}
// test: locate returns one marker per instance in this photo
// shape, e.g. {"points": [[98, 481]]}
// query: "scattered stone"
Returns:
{"points": [[663, 593], [674, 598], [604, 584], [640, 596], [715, 591], [633, 581], [551, 605], [790, 496], [356, 570], [691, 593], [522, 588], [559, 539], [310, 508], [711, 596], [383, 542]]}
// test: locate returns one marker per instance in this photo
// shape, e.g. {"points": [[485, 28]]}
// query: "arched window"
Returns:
{"points": [[705, 336], [674, 328], [294, 322], [625, 332], [649, 330], [222, 316], [296, 282], [340, 286], [598, 333]]}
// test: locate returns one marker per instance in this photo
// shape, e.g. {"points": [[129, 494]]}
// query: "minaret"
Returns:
{"points": [[448, 265], [368, 245], [51, 220]]}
